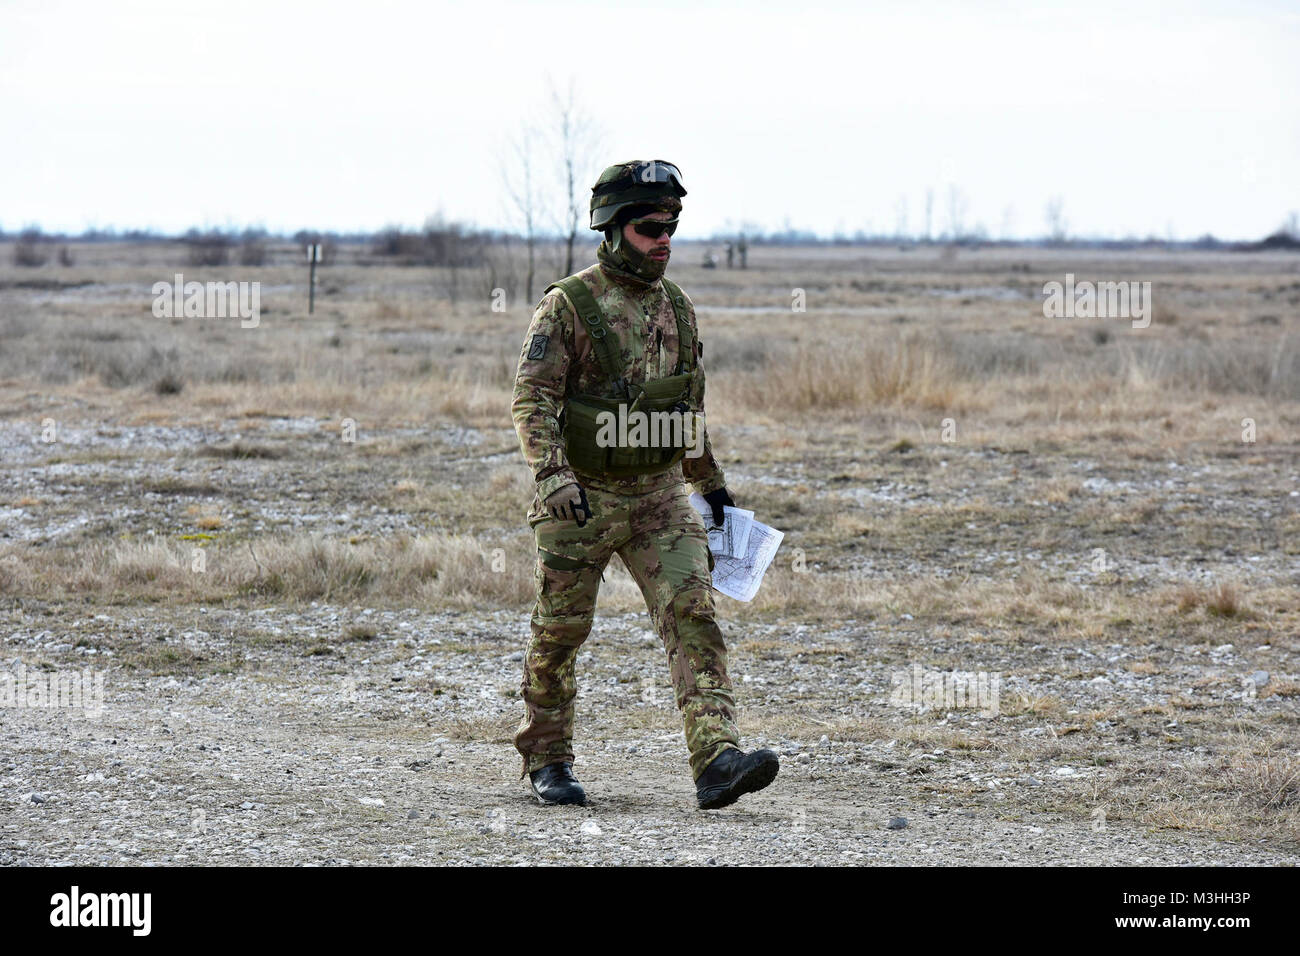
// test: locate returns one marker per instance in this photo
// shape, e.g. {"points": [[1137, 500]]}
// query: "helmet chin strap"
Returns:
{"points": [[636, 262]]}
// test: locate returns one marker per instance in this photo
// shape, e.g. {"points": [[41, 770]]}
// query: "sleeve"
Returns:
{"points": [[539, 393], [703, 470]]}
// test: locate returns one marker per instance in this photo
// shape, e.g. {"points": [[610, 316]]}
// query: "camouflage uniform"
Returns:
{"points": [[646, 519]]}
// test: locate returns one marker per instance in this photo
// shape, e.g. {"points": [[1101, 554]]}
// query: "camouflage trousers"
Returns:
{"points": [[662, 542]]}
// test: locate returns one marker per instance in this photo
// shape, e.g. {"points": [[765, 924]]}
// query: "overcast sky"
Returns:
{"points": [[1144, 118]]}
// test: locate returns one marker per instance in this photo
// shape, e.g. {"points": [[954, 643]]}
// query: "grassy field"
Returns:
{"points": [[1078, 505]]}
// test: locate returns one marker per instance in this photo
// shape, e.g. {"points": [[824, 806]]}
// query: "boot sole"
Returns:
{"points": [[755, 778], [567, 801]]}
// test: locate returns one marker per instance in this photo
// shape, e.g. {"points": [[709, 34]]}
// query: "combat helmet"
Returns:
{"points": [[631, 184]]}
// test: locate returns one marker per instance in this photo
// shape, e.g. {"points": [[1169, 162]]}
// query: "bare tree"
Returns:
{"points": [[542, 161], [956, 213], [929, 210], [519, 176], [1008, 221], [576, 139], [900, 218], [1056, 224]]}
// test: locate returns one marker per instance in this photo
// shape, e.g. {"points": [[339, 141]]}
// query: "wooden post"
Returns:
{"points": [[313, 257]]}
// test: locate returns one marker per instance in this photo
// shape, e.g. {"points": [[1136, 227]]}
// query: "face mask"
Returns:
{"points": [[637, 263]]}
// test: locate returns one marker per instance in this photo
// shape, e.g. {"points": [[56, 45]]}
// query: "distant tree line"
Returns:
{"points": [[1281, 239], [452, 245]]}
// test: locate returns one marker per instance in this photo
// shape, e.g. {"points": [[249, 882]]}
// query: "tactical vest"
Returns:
{"points": [[582, 422]]}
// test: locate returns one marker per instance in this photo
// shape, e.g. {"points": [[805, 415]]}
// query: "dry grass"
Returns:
{"points": [[1252, 787], [1225, 599], [1027, 598], [908, 333], [832, 421], [810, 379], [442, 570], [457, 570]]}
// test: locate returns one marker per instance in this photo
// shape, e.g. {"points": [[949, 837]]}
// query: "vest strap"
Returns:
{"points": [[686, 350], [602, 337]]}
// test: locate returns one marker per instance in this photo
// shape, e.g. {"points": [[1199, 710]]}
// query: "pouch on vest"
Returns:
{"points": [[657, 420], [593, 425]]}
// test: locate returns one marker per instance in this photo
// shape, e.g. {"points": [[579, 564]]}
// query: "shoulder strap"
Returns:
{"points": [[602, 338], [686, 350]]}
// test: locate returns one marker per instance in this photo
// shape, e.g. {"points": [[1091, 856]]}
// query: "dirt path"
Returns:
{"points": [[260, 747]]}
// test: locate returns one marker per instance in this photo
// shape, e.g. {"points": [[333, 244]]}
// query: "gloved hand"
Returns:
{"points": [[568, 504], [716, 500]]}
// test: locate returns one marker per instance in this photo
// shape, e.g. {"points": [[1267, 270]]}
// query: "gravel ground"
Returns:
{"points": [[263, 747], [1148, 708]]}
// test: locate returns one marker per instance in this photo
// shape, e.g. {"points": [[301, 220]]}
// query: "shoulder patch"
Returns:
{"points": [[538, 347]]}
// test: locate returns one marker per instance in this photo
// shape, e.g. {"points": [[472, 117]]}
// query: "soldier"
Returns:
{"points": [[618, 336], [743, 248], [731, 254]]}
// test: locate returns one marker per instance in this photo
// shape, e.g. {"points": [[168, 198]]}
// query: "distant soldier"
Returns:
{"points": [[710, 260], [743, 248], [618, 336], [731, 254]]}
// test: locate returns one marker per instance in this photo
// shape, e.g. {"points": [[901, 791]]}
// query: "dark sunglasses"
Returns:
{"points": [[653, 228]]}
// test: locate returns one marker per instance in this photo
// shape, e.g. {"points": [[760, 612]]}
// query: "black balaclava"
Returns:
{"points": [[620, 257]]}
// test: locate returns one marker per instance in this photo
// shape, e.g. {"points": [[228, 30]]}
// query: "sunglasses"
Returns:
{"points": [[653, 228]]}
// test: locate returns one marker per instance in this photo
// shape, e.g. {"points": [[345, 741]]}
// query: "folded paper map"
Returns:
{"points": [[742, 549]]}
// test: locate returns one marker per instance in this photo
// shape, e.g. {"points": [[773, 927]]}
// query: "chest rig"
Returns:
{"points": [[586, 419]]}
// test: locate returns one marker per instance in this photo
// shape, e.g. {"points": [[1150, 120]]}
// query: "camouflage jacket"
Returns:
{"points": [[558, 361]]}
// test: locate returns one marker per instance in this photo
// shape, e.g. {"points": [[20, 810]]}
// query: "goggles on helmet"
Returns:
{"points": [[655, 171]]}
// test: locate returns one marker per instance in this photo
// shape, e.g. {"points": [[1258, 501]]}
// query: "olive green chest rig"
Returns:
{"points": [[586, 418]]}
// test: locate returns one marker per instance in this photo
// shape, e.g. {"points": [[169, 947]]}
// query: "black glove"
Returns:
{"points": [[716, 500], [568, 503], [583, 506]]}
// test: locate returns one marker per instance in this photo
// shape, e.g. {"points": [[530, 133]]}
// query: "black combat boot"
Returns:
{"points": [[555, 783], [733, 773]]}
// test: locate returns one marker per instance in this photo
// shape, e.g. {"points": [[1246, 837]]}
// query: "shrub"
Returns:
{"points": [[30, 250], [207, 248]]}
